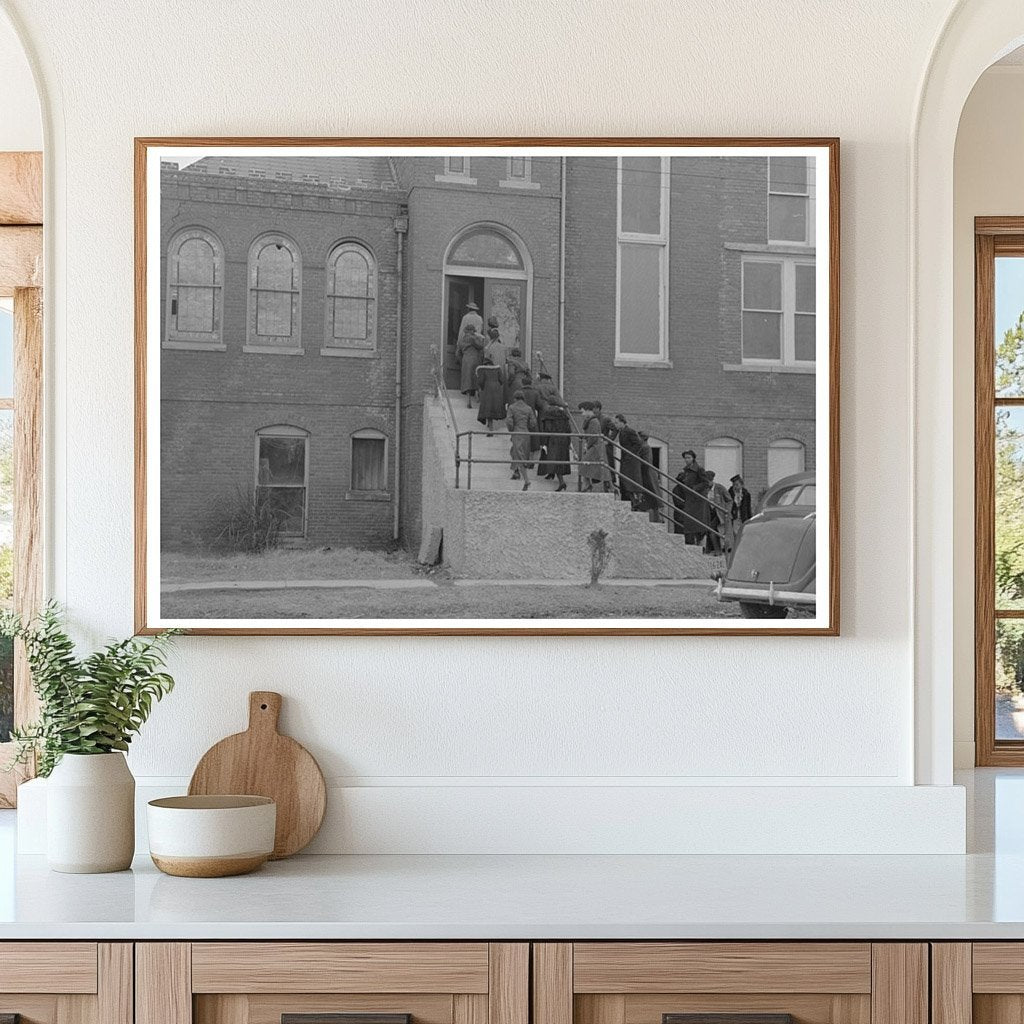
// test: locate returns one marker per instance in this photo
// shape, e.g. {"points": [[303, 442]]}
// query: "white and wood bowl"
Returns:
{"points": [[211, 836]]}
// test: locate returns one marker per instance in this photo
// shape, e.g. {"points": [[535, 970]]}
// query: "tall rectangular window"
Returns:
{"points": [[791, 199], [282, 476], [641, 328], [999, 493], [369, 461], [778, 310]]}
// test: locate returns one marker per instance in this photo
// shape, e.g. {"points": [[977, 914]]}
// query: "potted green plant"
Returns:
{"points": [[90, 708]]}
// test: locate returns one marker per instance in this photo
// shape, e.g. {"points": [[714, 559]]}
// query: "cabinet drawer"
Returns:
{"points": [[66, 982], [730, 983], [333, 983]]}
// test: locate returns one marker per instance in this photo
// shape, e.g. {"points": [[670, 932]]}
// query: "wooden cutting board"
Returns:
{"points": [[262, 762]]}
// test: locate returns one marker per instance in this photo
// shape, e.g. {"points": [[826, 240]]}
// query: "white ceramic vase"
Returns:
{"points": [[90, 814]]}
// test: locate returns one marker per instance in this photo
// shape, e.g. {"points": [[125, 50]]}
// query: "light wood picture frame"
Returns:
{"points": [[301, 307]]}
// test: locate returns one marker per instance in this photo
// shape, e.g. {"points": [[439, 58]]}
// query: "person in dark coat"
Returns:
{"points": [[649, 496], [556, 459], [490, 382], [551, 403], [470, 348], [688, 499], [521, 422], [629, 460], [531, 396], [740, 496]]}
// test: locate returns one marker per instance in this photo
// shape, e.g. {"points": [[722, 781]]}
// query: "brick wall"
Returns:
{"points": [[718, 206]]}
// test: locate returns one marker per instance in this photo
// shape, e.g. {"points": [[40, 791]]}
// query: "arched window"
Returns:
{"points": [[785, 456], [369, 461], [483, 247], [275, 286], [195, 277], [282, 475], [725, 456], [351, 300]]}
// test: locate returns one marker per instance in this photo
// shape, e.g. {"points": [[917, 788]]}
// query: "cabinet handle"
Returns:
{"points": [[727, 1018], [336, 1018]]}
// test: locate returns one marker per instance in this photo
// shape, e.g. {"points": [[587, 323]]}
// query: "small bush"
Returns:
{"points": [[599, 555], [247, 523]]}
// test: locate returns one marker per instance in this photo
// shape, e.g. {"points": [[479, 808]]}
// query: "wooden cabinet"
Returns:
{"points": [[758, 982], [66, 982], [978, 983], [308, 982]]}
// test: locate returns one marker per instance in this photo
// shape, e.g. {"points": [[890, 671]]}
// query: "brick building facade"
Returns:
{"points": [[301, 311]]}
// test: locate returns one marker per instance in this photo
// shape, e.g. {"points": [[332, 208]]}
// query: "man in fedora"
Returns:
{"points": [[472, 316]]}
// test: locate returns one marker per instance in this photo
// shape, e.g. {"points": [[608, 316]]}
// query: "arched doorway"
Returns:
{"points": [[488, 266]]}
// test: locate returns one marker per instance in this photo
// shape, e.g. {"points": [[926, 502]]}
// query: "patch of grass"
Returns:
{"points": [[288, 564], [450, 602]]}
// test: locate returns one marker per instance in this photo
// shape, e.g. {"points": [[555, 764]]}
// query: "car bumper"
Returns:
{"points": [[770, 595]]}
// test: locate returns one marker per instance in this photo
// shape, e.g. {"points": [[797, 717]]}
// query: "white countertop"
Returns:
{"points": [[516, 897]]}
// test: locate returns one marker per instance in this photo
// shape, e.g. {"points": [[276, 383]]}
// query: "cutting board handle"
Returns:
{"points": [[264, 710]]}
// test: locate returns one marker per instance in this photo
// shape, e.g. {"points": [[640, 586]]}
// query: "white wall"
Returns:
{"points": [[987, 181], [432, 716], [21, 127]]}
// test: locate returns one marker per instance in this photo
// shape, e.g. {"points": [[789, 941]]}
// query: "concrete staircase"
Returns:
{"points": [[492, 529]]}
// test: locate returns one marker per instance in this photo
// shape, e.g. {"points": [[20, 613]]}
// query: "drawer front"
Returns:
{"points": [[64, 967], [66, 982], [730, 983], [333, 983], [981, 982]]}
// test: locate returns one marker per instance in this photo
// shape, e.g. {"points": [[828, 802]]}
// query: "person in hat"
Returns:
{"points": [[594, 462], [471, 354], [472, 316], [718, 539], [688, 497], [490, 380], [496, 350], [740, 496], [516, 372]]}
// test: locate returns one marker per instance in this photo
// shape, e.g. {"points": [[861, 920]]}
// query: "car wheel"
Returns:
{"points": [[749, 610]]}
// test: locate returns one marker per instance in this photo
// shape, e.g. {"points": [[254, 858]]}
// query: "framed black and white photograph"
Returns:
{"points": [[487, 386]]}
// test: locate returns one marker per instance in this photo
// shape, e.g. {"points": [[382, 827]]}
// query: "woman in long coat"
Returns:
{"points": [[490, 380], [629, 461], [531, 396], [470, 347], [521, 422], [556, 461], [594, 461], [688, 498]]}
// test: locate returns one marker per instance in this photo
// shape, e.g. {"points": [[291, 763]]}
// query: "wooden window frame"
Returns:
{"points": [[993, 236], [334, 346], [787, 284], [209, 341], [21, 278], [659, 241], [279, 431], [253, 340], [809, 214]]}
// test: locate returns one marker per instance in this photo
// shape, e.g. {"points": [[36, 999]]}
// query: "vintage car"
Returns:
{"points": [[771, 569]]}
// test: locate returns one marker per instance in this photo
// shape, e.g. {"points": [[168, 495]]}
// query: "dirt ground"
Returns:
{"points": [[451, 602], [285, 564]]}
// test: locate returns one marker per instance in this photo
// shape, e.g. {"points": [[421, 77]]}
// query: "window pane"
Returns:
{"points": [[805, 288], [288, 505], [787, 174], [762, 335], [804, 336], [194, 309], [6, 353], [724, 455], [641, 194], [351, 319], [486, 249], [274, 267], [1009, 508], [787, 218], [785, 457], [274, 314], [351, 274], [1009, 709], [517, 167], [640, 299], [762, 285], [196, 262], [6, 568], [368, 464], [456, 165], [282, 460], [1009, 326]]}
